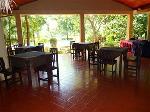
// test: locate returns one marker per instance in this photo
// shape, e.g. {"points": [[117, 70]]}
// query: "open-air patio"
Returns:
{"points": [[95, 74]]}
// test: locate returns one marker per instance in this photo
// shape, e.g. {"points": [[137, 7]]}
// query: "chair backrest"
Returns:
{"points": [[91, 49], [2, 65], [96, 45], [75, 45], [42, 46], [10, 51], [39, 48], [20, 45], [54, 52], [15, 46], [71, 43], [138, 53]]}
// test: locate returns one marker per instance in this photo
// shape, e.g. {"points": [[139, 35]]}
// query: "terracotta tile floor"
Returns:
{"points": [[80, 90]]}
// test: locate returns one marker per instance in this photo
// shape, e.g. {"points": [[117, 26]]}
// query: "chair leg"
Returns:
{"points": [[102, 68], [6, 80], [50, 77], [105, 66], [58, 75], [38, 77], [138, 73], [112, 70], [20, 78], [89, 61], [115, 68]]}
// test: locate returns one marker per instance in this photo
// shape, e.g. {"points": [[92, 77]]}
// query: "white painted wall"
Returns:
{"points": [[3, 50]]}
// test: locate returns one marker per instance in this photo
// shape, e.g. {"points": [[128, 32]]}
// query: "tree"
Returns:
{"points": [[34, 26], [9, 27], [109, 28], [68, 25], [140, 25]]}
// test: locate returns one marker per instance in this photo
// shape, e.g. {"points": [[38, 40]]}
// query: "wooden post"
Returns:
{"points": [[82, 29], [130, 26], [19, 28], [27, 26], [148, 26]]}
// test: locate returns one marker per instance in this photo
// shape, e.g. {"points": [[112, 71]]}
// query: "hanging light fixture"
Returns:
{"points": [[6, 6]]}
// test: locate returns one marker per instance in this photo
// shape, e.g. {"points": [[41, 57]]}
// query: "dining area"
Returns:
{"points": [[79, 80], [125, 62], [30, 60], [34, 61]]}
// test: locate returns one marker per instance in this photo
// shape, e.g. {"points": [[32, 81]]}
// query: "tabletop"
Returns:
{"points": [[30, 54]]}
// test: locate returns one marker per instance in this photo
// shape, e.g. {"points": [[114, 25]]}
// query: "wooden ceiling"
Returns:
{"points": [[23, 2], [134, 4]]}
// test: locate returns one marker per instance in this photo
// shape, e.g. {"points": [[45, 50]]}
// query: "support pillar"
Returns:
{"points": [[19, 28], [130, 26], [148, 26], [82, 29]]}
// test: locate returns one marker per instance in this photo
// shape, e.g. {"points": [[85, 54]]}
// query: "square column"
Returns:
{"points": [[148, 27], [19, 28], [130, 26], [82, 29]]}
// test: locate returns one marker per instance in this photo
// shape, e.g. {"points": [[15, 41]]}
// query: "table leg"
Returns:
{"points": [[125, 63], [50, 76], [29, 74], [120, 65]]}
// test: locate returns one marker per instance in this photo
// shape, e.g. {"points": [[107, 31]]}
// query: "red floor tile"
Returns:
{"points": [[80, 90]]}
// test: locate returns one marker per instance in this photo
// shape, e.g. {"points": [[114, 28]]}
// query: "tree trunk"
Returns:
{"points": [[67, 36], [34, 38], [9, 39], [27, 26], [94, 30]]}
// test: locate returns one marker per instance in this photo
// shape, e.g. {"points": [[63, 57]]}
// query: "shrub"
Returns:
{"points": [[53, 42]]}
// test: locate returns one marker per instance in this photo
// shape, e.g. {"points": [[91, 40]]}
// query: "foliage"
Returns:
{"points": [[35, 23], [68, 25], [109, 29], [106, 28], [10, 30], [140, 25], [53, 42]]}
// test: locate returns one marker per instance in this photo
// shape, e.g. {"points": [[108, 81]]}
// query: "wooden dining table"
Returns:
{"points": [[122, 53], [31, 60], [84, 46]]}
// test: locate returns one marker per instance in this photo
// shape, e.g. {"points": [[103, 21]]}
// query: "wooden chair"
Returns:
{"points": [[80, 51], [75, 52], [105, 58], [92, 54], [72, 49], [10, 51], [134, 63], [96, 45], [54, 66], [41, 46], [15, 46], [9, 74]]}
